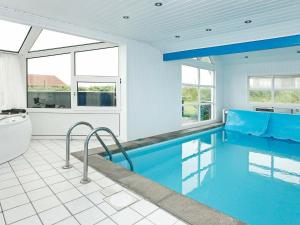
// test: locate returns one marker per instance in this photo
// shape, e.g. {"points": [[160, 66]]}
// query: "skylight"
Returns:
{"points": [[51, 39], [12, 35]]}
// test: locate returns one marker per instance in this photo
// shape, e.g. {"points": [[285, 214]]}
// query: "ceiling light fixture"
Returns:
{"points": [[126, 17], [248, 21], [208, 29], [177, 36], [158, 4], [246, 57], [298, 51]]}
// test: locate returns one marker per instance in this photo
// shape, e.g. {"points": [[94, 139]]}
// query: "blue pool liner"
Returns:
{"points": [[247, 122], [264, 124]]}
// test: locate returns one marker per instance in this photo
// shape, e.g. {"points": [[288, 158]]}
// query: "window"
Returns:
{"points": [[100, 62], [12, 35], [205, 59], [198, 88], [96, 94], [50, 39], [49, 81], [274, 89]]}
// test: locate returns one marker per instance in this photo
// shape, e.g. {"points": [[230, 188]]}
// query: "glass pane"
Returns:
{"points": [[96, 94], [205, 112], [49, 80], [206, 94], [190, 113], [50, 39], [205, 59], [101, 62], [287, 96], [206, 77], [287, 83], [260, 96], [260, 83], [189, 95], [12, 35], [189, 75]]}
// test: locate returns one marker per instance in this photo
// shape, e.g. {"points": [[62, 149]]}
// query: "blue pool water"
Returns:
{"points": [[254, 179]]}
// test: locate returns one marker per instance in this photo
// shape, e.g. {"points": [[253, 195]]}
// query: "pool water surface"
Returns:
{"points": [[253, 179]]}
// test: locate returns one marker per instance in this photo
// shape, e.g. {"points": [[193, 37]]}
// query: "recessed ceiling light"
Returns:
{"points": [[298, 51], [126, 17], [248, 21], [158, 4], [208, 29], [177, 36], [246, 57]]}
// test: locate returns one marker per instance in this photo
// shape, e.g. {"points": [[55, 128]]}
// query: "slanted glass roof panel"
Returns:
{"points": [[12, 35], [50, 39]]}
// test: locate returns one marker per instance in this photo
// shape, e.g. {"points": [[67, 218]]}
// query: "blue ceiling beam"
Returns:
{"points": [[280, 42]]}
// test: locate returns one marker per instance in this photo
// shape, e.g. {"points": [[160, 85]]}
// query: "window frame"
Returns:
{"points": [[74, 79], [199, 86], [273, 89]]}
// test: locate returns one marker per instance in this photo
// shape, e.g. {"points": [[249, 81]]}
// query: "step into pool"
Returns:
{"points": [[253, 179]]}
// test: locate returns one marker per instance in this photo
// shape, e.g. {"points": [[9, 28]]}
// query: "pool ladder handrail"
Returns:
{"points": [[68, 137], [85, 178]]}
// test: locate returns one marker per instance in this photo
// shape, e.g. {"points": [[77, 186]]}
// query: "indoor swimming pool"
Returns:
{"points": [[253, 179]]}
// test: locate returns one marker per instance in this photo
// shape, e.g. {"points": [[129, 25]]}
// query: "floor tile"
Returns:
{"points": [[39, 193], [45, 203], [161, 217], [68, 221], [96, 197], [62, 186], [18, 213], [110, 190], [29, 178], [69, 195], [11, 191], [106, 221], [48, 173], [24, 172], [145, 222], [89, 188], [71, 174], [34, 185], [7, 176], [90, 216], [107, 209], [33, 220], [54, 215], [144, 207], [2, 222], [9, 183], [126, 217], [120, 200], [95, 176], [54, 179], [105, 182], [180, 223], [14, 201], [79, 205]]}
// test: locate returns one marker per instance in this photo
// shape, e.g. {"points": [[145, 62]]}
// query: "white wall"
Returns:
{"points": [[236, 74], [153, 92]]}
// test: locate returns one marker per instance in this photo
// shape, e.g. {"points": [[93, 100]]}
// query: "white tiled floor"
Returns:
{"points": [[35, 190]]}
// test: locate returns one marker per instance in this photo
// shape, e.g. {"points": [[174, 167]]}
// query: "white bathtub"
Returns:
{"points": [[15, 135]]}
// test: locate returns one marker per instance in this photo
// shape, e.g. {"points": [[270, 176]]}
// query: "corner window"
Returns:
{"points": [[274, 89], [49, 82], [96, 94], [100, 62], [12, 35], [198, 88], [50, 40]]}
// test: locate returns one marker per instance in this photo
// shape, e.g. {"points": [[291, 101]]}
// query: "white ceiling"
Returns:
{"points": [[187, 18]]}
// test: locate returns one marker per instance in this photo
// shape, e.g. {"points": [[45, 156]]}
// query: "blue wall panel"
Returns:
{"points": [[266, 44]]}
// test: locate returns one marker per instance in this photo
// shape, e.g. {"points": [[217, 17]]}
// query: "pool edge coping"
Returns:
{"points": [[182, 207]]}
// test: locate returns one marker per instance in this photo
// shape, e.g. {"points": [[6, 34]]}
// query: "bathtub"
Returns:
{"points": [[15, 135]]}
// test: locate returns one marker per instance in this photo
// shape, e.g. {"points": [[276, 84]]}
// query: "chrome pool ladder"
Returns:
{"points": [[85, 178], [68, 137]]}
